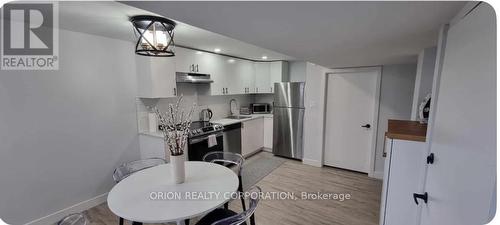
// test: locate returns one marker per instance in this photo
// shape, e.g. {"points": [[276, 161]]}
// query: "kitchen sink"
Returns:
{"points": [[239, 117]]}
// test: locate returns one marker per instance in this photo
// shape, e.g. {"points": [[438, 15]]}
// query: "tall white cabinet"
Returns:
{"points": [[462, 183], [454, 173], [404, 166]]}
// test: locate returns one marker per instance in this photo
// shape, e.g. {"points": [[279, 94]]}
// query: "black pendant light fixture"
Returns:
{"points": [[155, 36]]}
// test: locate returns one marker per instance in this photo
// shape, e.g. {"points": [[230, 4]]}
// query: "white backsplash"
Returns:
{"points": [[191, 95]]}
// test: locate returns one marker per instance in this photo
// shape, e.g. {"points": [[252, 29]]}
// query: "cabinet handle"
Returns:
{"points": [[384, 153], [430, 159], [271, 89], [257, 90], [191, 68], [175, 91], [197, 70], [421, 196]]}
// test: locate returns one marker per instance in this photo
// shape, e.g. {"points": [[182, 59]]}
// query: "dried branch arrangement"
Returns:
{"points": [[175, 123]]}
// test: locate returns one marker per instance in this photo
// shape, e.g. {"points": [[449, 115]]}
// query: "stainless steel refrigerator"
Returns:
{"points": [[288, 119]]}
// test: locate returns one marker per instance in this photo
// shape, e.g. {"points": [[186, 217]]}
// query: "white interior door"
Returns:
{"points": [[461, 182], [352, 102]]}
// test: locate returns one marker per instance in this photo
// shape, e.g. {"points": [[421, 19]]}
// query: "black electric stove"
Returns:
{"points": [[200, 128], [198, 144]]}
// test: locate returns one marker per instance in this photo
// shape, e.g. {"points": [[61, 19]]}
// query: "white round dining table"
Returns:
{"points": [[150, 195]]}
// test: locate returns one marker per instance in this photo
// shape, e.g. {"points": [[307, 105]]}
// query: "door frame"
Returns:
{"points": [[378, 70]]}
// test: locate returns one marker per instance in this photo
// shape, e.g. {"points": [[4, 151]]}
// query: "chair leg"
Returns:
{"points": [[252, 219], [240, 189], [121, 220], [186, 221]]}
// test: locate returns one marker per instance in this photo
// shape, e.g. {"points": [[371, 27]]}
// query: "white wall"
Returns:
{"points": [[193, 93], [63, 132], [395, 103], [424, 77], [314, 114], [396, 95]]}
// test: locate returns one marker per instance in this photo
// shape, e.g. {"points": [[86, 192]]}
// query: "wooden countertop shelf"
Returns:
{"points": [[406, 130]]}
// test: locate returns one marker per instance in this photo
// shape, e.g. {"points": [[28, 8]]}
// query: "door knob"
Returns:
{"points": [[366, 126]]}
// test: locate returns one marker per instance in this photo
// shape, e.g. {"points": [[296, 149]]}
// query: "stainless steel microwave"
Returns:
{"points": [[260, 108]]}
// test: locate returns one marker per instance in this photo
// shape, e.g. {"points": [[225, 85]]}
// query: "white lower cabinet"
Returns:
{"points": [[268, 133], [252, 136], [403, 176]]}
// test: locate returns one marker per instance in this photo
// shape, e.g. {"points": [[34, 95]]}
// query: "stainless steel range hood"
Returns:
{"points": [[194, 78]]}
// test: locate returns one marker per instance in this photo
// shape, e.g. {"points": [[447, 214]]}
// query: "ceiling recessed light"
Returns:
{"points": [[217, 50], [199, 52], [264, 57], [230, 60]]}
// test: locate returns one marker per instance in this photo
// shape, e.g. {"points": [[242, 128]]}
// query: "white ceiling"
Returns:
{"points": [[332, 34], [111, 19]]}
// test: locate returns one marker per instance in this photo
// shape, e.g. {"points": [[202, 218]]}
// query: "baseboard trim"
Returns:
{"points": [[267, 149], [79, 207], [312, 162], [377, 174]]}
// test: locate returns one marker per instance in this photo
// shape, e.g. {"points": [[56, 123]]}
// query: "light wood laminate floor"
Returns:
{"points": [[293, 176]]}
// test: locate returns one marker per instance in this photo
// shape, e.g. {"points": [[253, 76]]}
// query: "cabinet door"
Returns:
{"points": [[215, 65], [245, 77], [262, 73], [252, 137], [184, 60], [462, 183], [405, 175], [268, 132], [156, 77], [234, 84], [277, 71]]}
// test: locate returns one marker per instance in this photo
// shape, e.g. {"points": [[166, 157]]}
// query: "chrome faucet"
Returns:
{"points": [[233, 107]]}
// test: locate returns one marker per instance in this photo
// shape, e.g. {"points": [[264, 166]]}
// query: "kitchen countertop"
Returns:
{"points": [[406, 130], [226, 121], [223, 122]]}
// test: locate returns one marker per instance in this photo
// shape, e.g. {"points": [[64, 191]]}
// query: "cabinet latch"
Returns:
{"points": [[421, 196], [430, 159]]}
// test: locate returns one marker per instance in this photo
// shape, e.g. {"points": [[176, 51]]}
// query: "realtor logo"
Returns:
{"points": [[30, 36]]}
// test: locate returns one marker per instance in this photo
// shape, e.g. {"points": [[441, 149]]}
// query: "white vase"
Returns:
{"points": [[178, 169]]}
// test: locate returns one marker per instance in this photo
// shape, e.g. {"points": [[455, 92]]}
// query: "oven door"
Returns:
{"points": [[198, 147]]}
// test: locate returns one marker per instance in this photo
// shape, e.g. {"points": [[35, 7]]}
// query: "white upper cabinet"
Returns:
{"points": [[268, 73], [262, 74], [242, 77], [190, 61], [230, 75], [216, 66], [278, 73], [185, 60], [156, 77]]}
